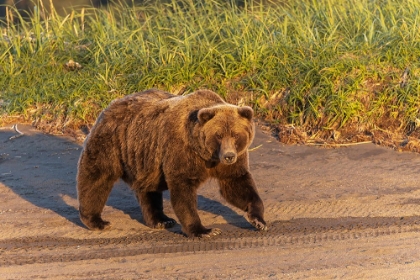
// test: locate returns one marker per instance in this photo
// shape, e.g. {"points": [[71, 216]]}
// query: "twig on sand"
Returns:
{"points": [[339, 145], [19, 133], [253, 149]]}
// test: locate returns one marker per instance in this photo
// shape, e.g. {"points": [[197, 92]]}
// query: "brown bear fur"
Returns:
{"points": [[157, 141]]}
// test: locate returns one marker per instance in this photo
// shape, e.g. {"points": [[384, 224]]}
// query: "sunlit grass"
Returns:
{"points": [[318, 69]]}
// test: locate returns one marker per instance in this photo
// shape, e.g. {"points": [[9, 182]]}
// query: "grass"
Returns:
{"points": [[320, 71]]}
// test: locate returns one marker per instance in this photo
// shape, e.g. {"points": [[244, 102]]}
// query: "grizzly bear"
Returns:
{"points": [[156, 141]]}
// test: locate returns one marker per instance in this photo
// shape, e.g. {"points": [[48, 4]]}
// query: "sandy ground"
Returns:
{"points": [[347, 213]]}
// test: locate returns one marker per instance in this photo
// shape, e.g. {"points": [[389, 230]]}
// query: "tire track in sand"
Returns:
{"points": [[237, 236], [393, 205]]}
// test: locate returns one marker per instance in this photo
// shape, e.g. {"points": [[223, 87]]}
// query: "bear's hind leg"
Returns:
{"points": [[242, 193], [151, 204]]}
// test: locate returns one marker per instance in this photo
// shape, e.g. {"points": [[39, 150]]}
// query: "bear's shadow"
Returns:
{"points": [[123, 199], [42, 169]]}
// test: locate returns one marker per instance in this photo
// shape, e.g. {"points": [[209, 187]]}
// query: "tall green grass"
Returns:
{"points": [[321, 70]]}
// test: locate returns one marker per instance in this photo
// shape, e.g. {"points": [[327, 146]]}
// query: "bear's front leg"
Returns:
{"points": [[184, 203], [93, 190], [242, 193]]}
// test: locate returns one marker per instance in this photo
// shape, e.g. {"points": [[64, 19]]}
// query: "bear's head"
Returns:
{"points": [[226, 131]]}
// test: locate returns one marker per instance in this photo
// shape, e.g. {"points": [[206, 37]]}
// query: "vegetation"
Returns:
{"points": [[319, 71]]}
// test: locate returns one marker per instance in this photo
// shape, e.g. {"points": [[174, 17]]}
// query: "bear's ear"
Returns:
{"points": [[205, 114], [246, 112]]}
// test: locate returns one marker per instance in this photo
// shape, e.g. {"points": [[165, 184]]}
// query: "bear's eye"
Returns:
{"points": [[219, 136], [236, 136]]}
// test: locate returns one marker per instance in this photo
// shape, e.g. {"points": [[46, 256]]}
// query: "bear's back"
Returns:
{"points": [[156, 101], [154, 106], [183, 106], [202, 98]]}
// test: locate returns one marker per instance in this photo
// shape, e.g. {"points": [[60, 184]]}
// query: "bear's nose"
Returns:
{"points": [[229, 157]]}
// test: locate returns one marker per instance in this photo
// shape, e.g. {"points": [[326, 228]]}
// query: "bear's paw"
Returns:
{"points": [[259, 224], [95, 223]]}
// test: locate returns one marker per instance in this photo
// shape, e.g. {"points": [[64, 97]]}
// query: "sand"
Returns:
{"points": [[347, 213]]}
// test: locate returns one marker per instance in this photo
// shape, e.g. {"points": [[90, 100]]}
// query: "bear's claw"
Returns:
{"points": [[104, 225], [165, 224], [206, 233], [213, 232], [259, 225]]}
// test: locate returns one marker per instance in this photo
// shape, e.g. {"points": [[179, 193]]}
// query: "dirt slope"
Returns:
{"points": [[350, 213]]}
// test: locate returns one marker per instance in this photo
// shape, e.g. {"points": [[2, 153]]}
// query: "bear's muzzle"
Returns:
{"points": [[228, 158]]}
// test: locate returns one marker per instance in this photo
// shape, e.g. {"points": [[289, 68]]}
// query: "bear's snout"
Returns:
{"points": [[227, 151], [229, 158]]}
